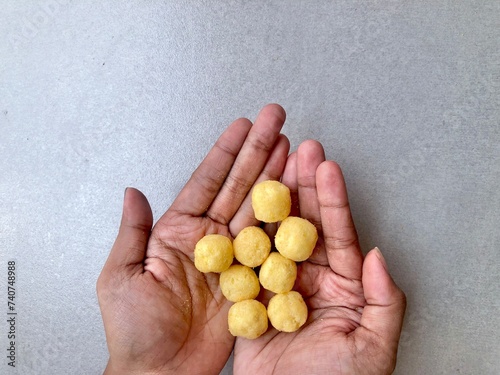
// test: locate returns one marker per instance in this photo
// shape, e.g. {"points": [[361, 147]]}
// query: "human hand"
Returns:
{"points": [[355, 308], [160, 314]]}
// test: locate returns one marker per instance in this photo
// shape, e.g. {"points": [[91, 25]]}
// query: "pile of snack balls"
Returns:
{"points": [[294, 241]]}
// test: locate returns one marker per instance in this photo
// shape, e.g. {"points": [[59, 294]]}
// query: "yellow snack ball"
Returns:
{"points": [[287, 311], [251, 246], [239, 283], [278, 273], [296, 238], [247, 319], [213, 253], [271, 201]]}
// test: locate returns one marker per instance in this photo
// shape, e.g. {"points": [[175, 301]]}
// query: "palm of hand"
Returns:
{"points": [[346, 331], [194, 311], [182, 313], [335, 305], [164, 312]]}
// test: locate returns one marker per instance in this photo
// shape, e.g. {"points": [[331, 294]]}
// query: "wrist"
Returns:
{"points": [[113, 369]]}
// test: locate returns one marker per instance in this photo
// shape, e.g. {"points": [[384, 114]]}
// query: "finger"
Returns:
{"points": [[290, 179], [339, 233], [248, 164], [310, 155], [273, 170], [386, 303], [206, 181], [135, 227]]}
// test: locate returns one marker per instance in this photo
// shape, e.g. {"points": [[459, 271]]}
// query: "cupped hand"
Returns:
{"points": [[160, 314], [355, 308]]}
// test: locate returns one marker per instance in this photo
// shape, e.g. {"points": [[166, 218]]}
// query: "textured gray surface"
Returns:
{"points": [[96, 96]]}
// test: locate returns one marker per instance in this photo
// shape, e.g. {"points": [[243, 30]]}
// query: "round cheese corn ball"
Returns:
{"points": [[251, 246], [213, 253], [271, 201], [239, 283], [247, 319], [287, 311], [278, 273], [296, 238]]}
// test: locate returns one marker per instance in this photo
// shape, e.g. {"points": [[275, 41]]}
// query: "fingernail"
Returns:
{"points": [[124, 198], [379, 255]]}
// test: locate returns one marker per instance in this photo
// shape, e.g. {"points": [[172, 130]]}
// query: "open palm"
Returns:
{"points": [[161, 315], [355, 309]]}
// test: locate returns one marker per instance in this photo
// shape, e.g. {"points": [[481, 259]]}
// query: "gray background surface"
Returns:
{"points": [[96, 96]]}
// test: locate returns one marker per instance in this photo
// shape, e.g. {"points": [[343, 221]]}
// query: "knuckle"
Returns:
{"points": [[209, 182], [226, 147], [341, 240], [217, 217], [260, 142], [308, 182], [237, 185], [334, 205], [401, 297], [101, 288]]}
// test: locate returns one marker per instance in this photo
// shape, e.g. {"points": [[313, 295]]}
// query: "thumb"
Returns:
{"points": [[135, 227], [386, 303]]}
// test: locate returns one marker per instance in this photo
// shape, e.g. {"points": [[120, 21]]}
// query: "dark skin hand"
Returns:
{"points": [[355, 308], [162, 316]]}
